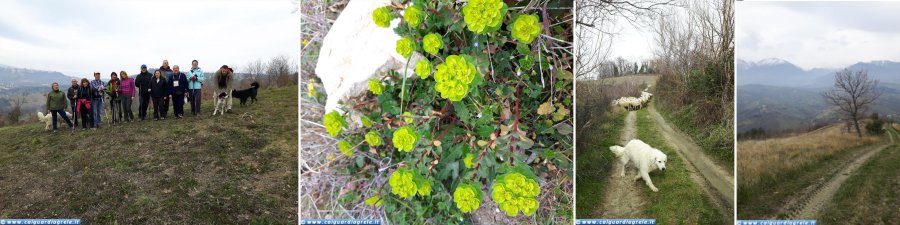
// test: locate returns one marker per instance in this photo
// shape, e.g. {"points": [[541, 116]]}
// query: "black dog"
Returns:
{"points": [[246, 93]]}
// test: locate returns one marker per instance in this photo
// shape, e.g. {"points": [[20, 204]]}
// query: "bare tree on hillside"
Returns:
{"points": [[255, 69], [281, 71], [852, 94], [15, 112]]}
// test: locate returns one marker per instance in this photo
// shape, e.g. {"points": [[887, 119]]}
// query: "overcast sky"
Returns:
{"points": [[79, 37], [632, 42], [818, 34]]}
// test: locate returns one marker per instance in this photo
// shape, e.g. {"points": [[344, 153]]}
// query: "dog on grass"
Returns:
{"points": [[221, 102], [246, 93], [47, 119], [643, 157]]}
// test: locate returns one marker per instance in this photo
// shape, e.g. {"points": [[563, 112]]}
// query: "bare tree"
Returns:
{"points": [[15, 112], [255, 70], [281, 70], [852, 94]]}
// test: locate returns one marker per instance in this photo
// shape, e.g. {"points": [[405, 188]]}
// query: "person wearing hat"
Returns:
{"points": [[97, 101], [127, 95], [195, 83], [142, 83], [222, 84], [178, 83], [71, 94]]}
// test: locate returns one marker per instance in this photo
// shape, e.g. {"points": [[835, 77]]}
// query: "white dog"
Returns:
{"points": [[355, 50], [48, 120], [221, 102], [644, 157]]}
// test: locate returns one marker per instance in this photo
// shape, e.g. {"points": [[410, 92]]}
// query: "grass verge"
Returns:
{"points": [[679, 200], [594, 162], [237, 168]]}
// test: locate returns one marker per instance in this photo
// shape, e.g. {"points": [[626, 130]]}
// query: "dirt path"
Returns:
{"points": [[809, 208], [623, 196], [714, 180]]}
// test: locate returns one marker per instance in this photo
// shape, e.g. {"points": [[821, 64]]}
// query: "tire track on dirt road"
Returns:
{"points": [[714, 180], [623, 198], [809, 208]]}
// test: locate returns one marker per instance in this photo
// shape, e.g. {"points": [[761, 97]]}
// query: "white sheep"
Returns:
{"points": [[633, 103], [355, 50]]}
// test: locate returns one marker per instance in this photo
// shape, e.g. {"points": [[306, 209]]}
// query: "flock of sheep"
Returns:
{"points": [[633, 103]]}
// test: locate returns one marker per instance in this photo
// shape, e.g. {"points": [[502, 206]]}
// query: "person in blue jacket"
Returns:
{"points": [[195, 83], [178, 83]]}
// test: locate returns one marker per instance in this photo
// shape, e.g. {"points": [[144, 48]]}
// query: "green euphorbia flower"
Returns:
{"points": [[413, 15], [515, 192], [402, 183], [345, 147], [405, 138], [407, 117], [425, 187], [482, 15], [333, 122], [423, 68], [366, 121], [526, 28], [382, 16], [373, 138], [375, 86], [469, 161], [467, 197], [405, 47], [453, 77], [432, 43]]}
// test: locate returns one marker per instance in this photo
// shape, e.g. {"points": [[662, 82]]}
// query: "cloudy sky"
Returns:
{"points": [[818, 34], [79, 37], [632, 41]]}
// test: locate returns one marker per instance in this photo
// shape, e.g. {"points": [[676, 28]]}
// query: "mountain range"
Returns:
{"points": [[779, 72], [776, 95]]}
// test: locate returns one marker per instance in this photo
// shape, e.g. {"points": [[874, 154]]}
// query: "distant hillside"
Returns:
{"points": [[12, 77], [776, 108]]}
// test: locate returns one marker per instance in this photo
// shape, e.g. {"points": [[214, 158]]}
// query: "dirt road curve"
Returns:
{"points": [[716, 177]]}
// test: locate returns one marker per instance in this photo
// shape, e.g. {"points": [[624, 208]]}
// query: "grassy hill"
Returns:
{"points": [[238, 168]]}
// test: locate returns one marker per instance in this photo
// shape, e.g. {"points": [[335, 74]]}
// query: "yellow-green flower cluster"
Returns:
{"points": [[375, 86], [405, 47], [515, 192], [402, 183], [382, 16], [311, 89], [423, 68], [467, 197], [424, 187], [453, 77], [526, 28], [432, 43], [345, 147], [480, 15], [469, 161], [413, 15], [366, 121], [405, 138], [333, 122], [407, 117], [373, 138]]}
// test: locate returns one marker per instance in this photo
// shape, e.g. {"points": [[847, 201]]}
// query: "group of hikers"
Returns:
{"points": [[87, 98]]}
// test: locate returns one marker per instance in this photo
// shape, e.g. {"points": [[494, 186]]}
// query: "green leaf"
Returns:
{"points": [[360, 160], [462, 111]]}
